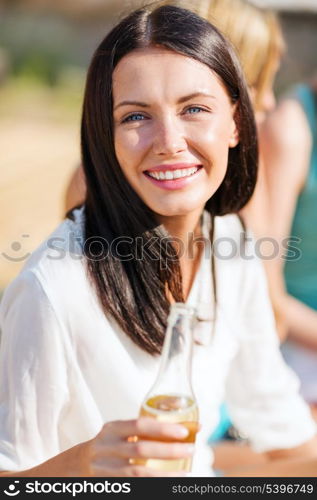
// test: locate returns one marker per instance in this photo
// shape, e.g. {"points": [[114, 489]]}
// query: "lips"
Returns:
{"points": [[172, 171], [172, 177], [172, 174], [172, 166]]}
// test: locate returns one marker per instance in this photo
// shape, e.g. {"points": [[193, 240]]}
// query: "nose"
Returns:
{"points": [[169, 138]]}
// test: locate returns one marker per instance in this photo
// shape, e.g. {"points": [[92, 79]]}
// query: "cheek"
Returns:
{"points": [[125, 147], [212, 140], [130, 146], [214, 147]]}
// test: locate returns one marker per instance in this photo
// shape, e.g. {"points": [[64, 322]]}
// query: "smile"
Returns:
{"points": [[169, 175], [174, 178]]}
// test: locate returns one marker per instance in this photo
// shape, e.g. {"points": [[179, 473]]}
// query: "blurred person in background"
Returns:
{"points": [[82, 334], [284, 203], [289, 143]]}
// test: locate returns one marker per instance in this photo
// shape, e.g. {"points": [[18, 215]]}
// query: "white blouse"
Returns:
{"points": [[66, 369]]}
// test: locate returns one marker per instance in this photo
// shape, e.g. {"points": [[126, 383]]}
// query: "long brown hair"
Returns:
{"points": [[132, 290]]}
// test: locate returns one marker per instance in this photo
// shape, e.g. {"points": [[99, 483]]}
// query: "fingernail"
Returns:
{"points": [[180, 431]]}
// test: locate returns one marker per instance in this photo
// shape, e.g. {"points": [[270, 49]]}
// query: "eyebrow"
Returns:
{"points": [[180, 100]]}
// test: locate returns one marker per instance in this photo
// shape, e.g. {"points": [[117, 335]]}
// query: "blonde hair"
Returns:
{"points": [[254, 32]]}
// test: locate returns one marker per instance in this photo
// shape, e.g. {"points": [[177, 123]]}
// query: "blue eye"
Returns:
{"points": [[194, 110], [135, 117]]}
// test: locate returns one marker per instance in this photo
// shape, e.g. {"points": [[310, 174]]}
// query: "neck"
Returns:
{"points": [[185, 228]]}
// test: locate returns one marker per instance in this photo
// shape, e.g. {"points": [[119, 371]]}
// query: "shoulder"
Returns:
{"points": [[62, 248], [287, 126], [27, 316], [55, 271], [52, 296], [24, 286], [286, 145], [66, 239]]}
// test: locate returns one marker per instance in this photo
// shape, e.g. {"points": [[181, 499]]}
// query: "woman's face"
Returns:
{"points": [[173, 127]]}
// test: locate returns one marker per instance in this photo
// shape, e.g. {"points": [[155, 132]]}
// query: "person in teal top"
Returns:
{"points": [[301, 273], [288, 146], [290, 152]]}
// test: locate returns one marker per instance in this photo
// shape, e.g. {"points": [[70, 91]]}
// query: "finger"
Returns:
{"points": [[141, 471], [102, 470], [132, 471], [110, 461], [151, 449], [145, 427], [108, 466]]}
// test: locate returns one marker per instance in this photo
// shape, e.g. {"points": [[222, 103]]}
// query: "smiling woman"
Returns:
{"points": [[136, 118], [171, 135], [168, 146]]}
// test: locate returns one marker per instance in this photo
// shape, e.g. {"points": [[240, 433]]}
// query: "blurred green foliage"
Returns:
{"points": [[43, 66], [42, 47]]}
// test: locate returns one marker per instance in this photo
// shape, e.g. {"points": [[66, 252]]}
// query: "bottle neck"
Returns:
{"points": [[174, 375]]}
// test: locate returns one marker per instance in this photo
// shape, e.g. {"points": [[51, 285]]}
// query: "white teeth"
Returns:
{"points": [[173, 174]]}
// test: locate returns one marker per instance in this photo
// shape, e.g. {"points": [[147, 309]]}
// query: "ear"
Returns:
{"points": [[234, 135]]}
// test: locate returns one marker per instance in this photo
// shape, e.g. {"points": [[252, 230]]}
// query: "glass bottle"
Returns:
{"points": [[171, 398]]}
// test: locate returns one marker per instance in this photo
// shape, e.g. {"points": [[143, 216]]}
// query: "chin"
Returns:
{"points": [[177, 210]]}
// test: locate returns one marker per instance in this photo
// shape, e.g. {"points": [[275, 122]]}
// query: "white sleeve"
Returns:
{"points": [[33, 374], [262, 391]]}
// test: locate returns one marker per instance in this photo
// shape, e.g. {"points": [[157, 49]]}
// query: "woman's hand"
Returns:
{"points": [[112, 452]]}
